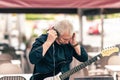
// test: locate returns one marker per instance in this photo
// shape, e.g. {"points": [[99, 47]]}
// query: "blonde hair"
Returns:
{"points": [[64, 26]]}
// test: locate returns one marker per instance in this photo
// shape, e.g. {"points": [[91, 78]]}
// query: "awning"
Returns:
{"points": [[59, 3]]}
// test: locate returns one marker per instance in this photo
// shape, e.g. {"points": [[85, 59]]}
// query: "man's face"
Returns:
{"points": [[64, 39]]}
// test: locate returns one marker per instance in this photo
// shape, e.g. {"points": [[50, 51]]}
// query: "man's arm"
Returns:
{"points": [[52, 35], [77, 49]]}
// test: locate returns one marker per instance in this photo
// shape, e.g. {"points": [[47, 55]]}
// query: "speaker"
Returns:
{"points": [[95, 78]]}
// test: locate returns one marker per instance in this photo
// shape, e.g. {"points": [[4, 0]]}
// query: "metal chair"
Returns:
{"points": [[9, 68], [12, 78], [5, 58], [15, 76], [114, 66]]}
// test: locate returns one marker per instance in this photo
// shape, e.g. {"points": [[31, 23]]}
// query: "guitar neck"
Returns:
{"points": [[79, 67]]}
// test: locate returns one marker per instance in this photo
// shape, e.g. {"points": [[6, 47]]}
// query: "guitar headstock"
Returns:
{"points": [[110, 50]]}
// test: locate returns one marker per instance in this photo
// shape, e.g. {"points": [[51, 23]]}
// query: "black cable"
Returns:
{"points": [[53, 61]]}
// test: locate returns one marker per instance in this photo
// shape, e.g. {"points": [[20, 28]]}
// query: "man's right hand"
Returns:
{"points": [[52, 35]]}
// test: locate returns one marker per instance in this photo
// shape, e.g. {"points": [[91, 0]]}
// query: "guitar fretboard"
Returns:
{"points": [[79, 67]]}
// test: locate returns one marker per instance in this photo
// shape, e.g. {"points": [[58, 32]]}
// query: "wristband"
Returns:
{"points": [[76, 44]]}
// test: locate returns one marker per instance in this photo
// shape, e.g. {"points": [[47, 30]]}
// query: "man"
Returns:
{"points": [[52, 52]]}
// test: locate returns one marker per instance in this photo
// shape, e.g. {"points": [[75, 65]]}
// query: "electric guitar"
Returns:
{"points": [[60, 76]]}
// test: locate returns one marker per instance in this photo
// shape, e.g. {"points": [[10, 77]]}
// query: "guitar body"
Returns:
{"points": [[54, 77], [39, 76], [43, 76], [47, 76]]}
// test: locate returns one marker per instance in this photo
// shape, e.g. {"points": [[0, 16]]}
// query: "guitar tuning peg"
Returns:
{"points": [[106, 48], [118, 45], [112, 46]]}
